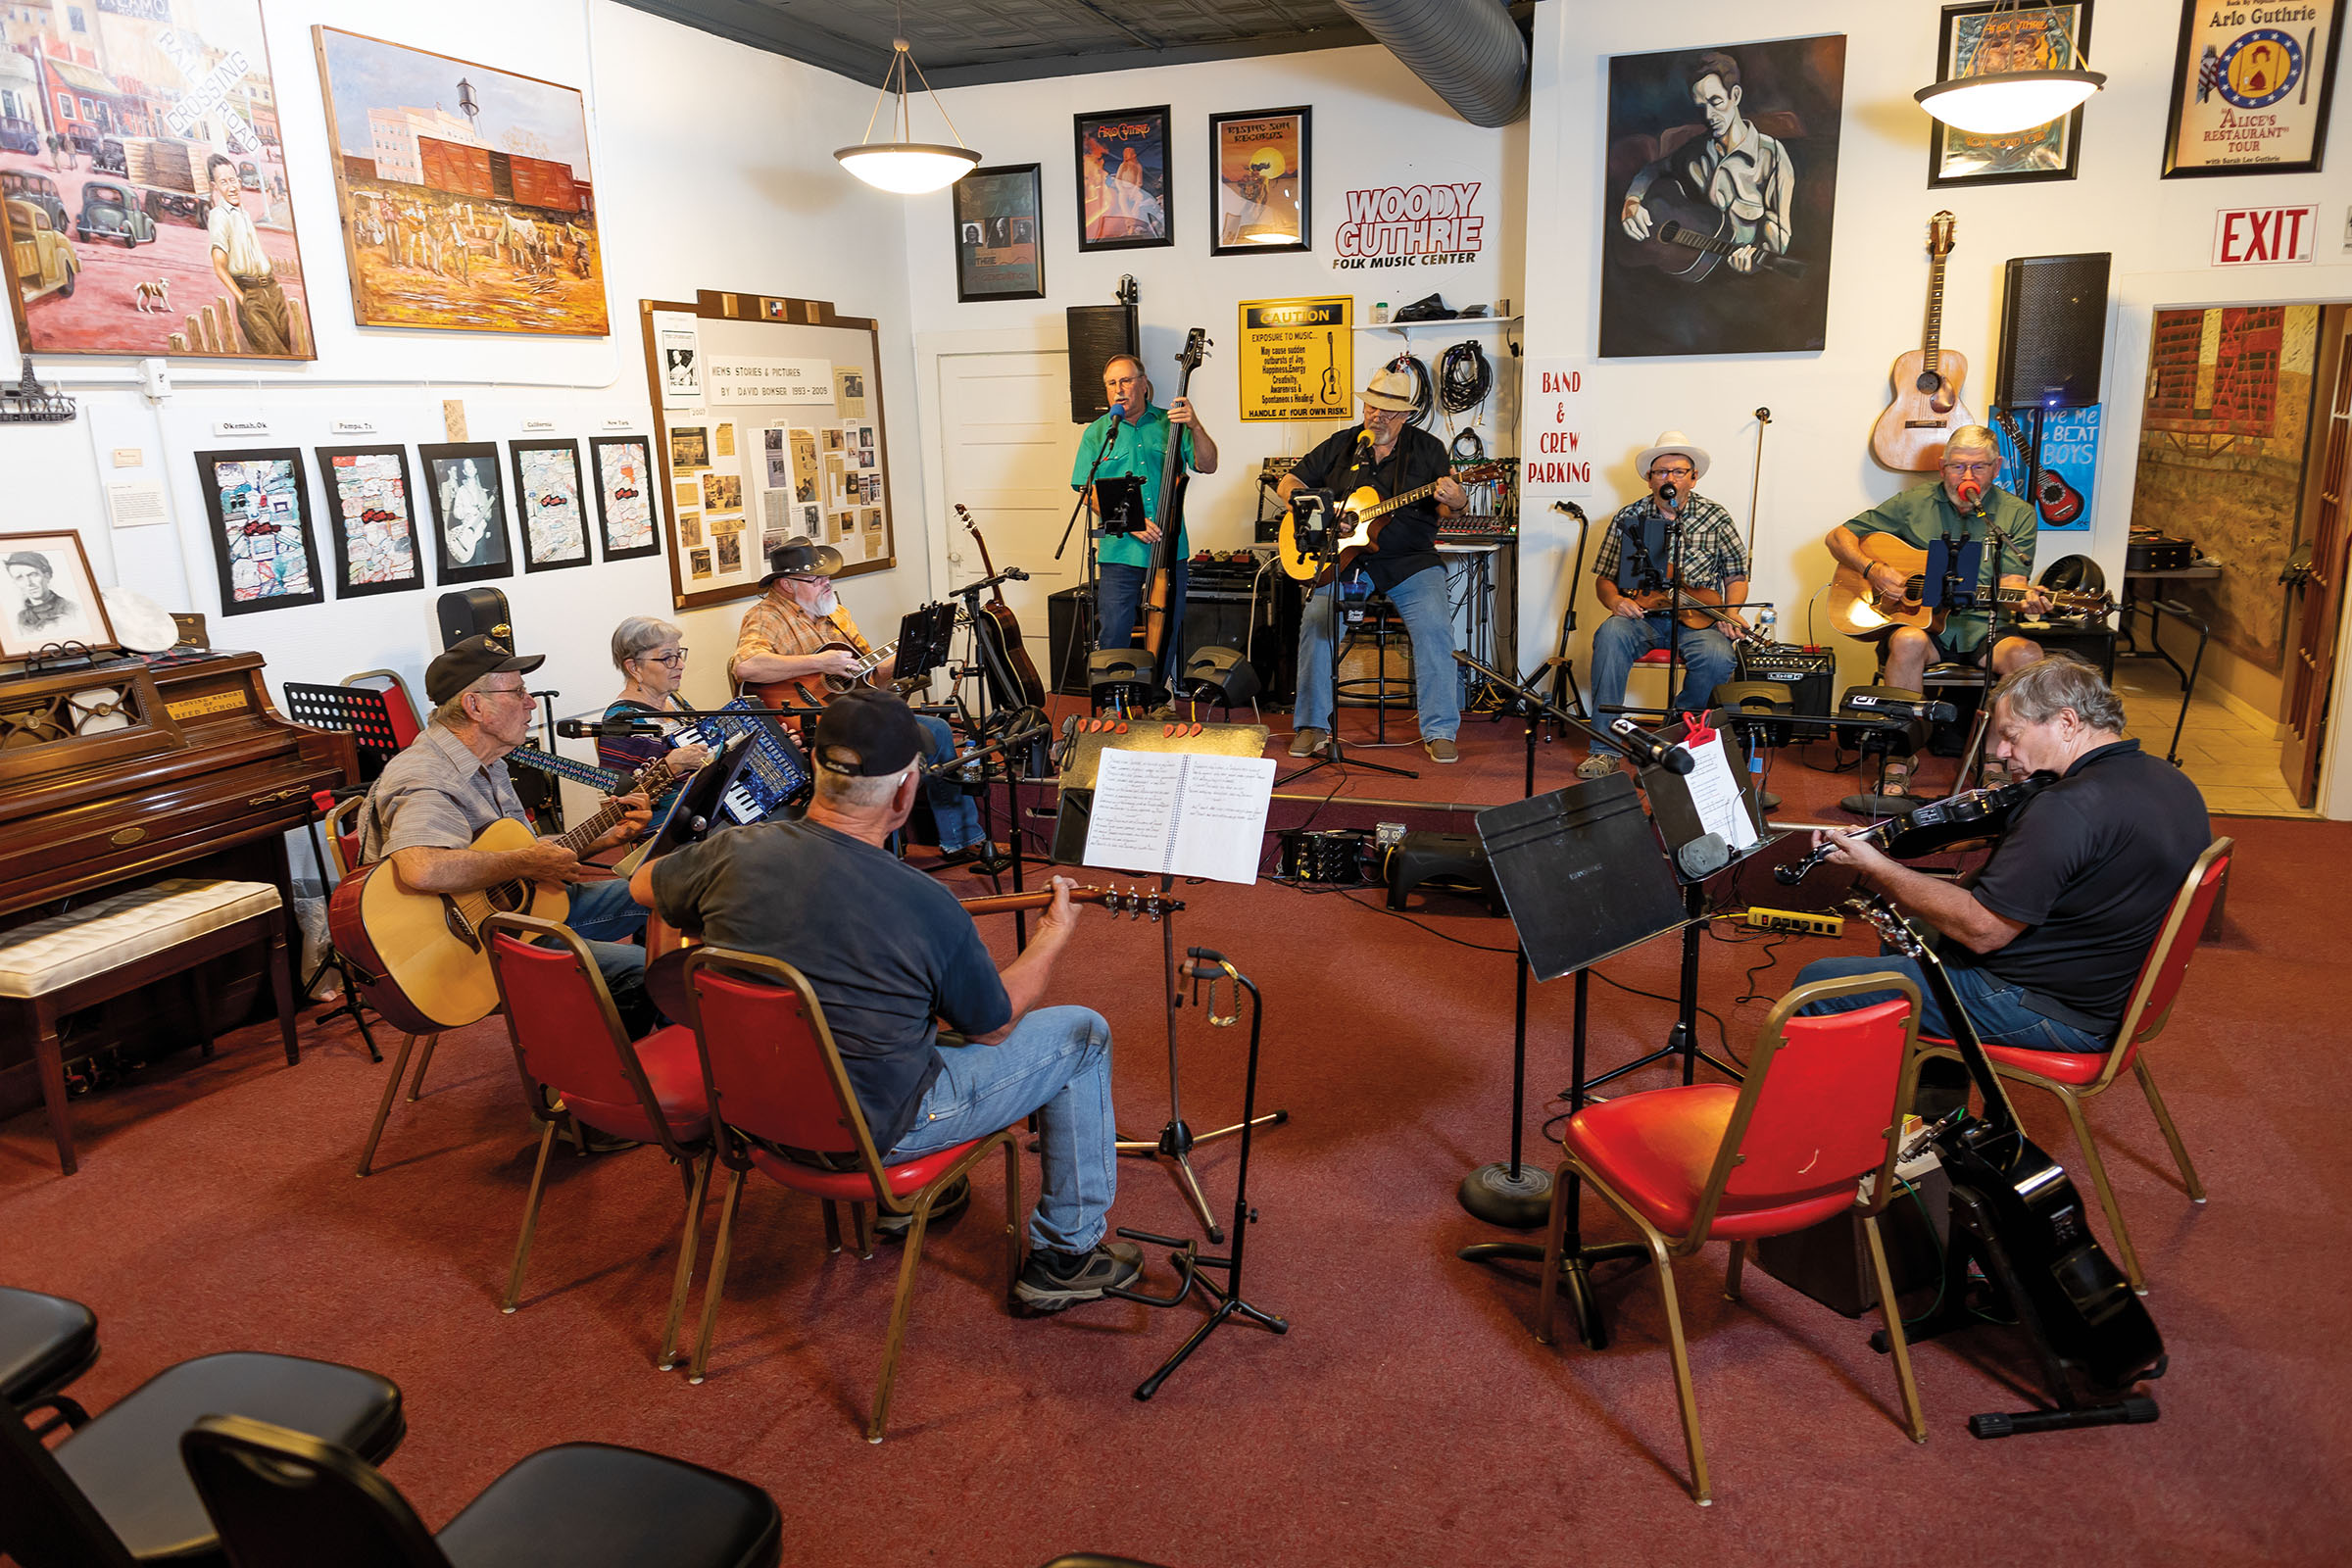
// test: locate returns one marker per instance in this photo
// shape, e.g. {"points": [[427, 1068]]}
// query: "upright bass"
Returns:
{"points": [[1159, 589]]}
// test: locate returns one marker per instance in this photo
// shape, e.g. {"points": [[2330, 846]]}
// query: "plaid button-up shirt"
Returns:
{"points": [[1711, 552]]}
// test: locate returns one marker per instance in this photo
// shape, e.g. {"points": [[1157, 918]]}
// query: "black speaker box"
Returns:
{"points": [[1097, 332], [1210, 619], [2053, 330], [1069, 637], [465, 612]]}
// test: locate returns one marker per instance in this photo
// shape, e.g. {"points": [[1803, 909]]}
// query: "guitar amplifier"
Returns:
{"points": [[1809, 673]]}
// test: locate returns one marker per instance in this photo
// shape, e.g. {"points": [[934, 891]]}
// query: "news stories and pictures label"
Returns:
{"points": [[2251, 87]]}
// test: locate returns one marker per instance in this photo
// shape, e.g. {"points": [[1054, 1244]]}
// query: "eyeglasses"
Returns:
{"points": [[673, 659], [522, 692], [1970, 468], [1679, 471]]}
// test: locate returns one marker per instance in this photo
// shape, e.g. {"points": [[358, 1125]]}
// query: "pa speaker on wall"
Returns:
{"points": [[2053, 330], [1097, 332]]}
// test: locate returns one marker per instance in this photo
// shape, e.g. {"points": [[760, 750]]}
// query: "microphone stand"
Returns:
{"points": [[1094, 589], [1563, 665]]}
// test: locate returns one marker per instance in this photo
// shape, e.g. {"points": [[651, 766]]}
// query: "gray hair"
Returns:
{"points": [[1974, 437], [2055, 683], [1131, 358], [858, 791], [639, 635], [453, 711]]}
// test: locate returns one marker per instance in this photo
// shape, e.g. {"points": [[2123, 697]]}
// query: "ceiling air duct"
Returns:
{"points": [[1469, 52]]}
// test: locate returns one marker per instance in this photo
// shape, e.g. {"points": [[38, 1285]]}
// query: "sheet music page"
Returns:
{"points": [[1135, 809], [1715, 794], [1180, 813]]}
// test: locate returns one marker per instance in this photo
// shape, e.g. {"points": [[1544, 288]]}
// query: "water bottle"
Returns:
{"points": [[1766, 619]]}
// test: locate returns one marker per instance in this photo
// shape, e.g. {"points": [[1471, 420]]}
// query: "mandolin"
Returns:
{"points": [[1859, 609], [1927, 409], [1358, 526], [1010, 673], [418, 957], [1161, 586], [2060, 503], [1957, 822]]}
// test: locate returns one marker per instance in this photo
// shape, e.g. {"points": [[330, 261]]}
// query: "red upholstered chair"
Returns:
{"points": [[776, 1084], [2075, 1078], [569, 1039], [1821, 1111], [407, 726]]}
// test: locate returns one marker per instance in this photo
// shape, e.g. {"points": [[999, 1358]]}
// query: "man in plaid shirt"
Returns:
{"points": [[1636, 558]]}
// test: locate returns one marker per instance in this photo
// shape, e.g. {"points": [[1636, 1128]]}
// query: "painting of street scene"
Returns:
{"points": [[143, 181], [465, 193]]}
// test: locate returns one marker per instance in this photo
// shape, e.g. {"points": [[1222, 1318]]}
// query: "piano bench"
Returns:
{"points": [[61, 965]]}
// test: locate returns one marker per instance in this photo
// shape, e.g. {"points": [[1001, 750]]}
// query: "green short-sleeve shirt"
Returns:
{"points": [[1140, 452], [1924, 513]]}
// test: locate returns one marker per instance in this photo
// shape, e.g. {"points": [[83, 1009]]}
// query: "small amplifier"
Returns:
{"points": [[1324, 854], [1809, 673]]}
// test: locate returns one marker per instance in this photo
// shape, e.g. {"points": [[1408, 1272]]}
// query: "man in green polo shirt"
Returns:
{"points": [[1962, 503], [1141, 450]]}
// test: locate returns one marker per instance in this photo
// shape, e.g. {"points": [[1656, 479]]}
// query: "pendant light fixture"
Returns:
{"points": [[905, 167], [1997, 103]]}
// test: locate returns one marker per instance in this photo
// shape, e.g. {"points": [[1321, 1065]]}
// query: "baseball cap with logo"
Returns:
{"points": [[867, 733], [470, 660]]}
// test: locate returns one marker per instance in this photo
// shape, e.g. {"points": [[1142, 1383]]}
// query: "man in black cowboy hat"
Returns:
{"points": [[799, 631]]}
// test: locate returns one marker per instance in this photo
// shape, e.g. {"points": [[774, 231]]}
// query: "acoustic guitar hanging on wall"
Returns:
{"points": [[1909, 436]]}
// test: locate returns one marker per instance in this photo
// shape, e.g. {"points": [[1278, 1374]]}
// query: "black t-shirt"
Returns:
{"points": [[2089, 867], [1343, 465], [887, 948]]}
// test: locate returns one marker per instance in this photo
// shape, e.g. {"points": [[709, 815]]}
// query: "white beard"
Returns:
{"points": [[829, 603]]}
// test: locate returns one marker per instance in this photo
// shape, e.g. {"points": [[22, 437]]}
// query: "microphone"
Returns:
{"points": [[1909, 707], [1669, 492], [1646, 747], [578, 730], [1972, 497]]}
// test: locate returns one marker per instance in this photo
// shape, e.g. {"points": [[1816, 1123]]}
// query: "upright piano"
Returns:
{"points": [[125, 772]]}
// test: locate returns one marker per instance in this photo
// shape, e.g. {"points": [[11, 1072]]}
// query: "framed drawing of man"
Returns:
{"points": [[47, 594], [469, 510]]}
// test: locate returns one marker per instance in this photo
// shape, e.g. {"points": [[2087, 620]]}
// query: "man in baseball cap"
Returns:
{"points": [[466, 663], [1388, 454], [891, 956]]}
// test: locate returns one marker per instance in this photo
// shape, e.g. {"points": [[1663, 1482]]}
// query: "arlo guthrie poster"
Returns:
{"points": [[1721, 187], [2251, 86]]}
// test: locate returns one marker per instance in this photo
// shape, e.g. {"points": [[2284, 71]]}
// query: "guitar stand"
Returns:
{"points": [[1185, 1254], [1975, 1237]]}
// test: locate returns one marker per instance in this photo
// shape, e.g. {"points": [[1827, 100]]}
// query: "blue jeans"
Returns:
{"points": [[1998, 1012], [1055, 1062], [1120, 597], [1707, 661], [1421, 600], [957, 814], [603, 915]]}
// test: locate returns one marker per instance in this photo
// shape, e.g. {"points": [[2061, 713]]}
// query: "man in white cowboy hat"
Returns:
{"points": [[1637, 560], [1386, 453]]}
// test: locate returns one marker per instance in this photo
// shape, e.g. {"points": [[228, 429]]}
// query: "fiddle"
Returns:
{"points": [[1933, 826]]}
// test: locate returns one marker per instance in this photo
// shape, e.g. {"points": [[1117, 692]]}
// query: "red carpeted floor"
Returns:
{"points": [[1408, 1417]]}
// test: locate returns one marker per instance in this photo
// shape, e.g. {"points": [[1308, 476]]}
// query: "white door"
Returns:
{"points": [[1006, 452]]}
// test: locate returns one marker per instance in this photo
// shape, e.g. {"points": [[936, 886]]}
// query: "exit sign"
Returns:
{"points": [[2256, 236]]}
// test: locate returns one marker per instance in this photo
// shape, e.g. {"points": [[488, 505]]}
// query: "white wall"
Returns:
{"points": [[1374, 125], [1817, 466], [714, 170]]}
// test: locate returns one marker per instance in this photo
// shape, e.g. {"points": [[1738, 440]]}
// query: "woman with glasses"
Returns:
{"points": [[653, 664]]}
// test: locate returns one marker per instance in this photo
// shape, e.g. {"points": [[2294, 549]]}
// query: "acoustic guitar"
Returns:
{"points": [[815, 691], [1358, 526], [999, 630], [2060, 503], [419, 957], [1909, 436], [1859, 609], [1690, 235]]}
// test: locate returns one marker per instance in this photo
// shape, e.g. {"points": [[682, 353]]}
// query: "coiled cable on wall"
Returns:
{"points": [[1424, 398], [1465, 378]]}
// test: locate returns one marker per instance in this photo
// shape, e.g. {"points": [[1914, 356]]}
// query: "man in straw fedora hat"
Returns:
{"points": [[1386, 453]]}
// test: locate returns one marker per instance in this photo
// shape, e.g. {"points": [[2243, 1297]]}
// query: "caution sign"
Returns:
{"points": [[1298, 359]]}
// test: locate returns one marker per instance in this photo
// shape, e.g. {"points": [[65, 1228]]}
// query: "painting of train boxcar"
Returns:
{"points": [[467, 199]]}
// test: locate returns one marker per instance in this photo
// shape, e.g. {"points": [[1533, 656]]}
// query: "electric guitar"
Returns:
{"points": [[1927, 409], [419, 957], [1356, 528], [2060, 502], [1859, 609]]}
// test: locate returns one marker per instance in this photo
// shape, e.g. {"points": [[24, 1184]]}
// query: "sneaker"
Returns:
{"points": [[1600, 765], [952, 1202], [1051, 1281], [1310, 743], [1441, 750]]}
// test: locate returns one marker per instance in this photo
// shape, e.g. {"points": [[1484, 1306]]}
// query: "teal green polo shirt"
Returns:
{"points": [[1924, 513], [1140, 452]]}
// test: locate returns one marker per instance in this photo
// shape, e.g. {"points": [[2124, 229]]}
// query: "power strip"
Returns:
{"points": [[1795, 923]]}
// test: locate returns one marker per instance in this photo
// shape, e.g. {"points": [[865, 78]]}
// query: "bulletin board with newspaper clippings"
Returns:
{"points": [[768, 422]]}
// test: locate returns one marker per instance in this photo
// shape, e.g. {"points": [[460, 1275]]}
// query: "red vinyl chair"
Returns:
{"points": [[407, 726], [1813, 1133], [781, 1103], [2075, 1078], [569, 1039]]}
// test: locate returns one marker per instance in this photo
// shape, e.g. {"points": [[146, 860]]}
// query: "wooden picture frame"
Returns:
{"points": [[469, 509], [370, 504], [629, 495], [2020, 40], [550, 504], [34, 612], [2260, 72], [1260, 166], [1126, 185], [998, 219], [262, 548]]}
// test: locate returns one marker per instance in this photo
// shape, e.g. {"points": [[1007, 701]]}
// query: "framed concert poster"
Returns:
{"points": [[469, 510], [261, 526], [552, 504], [372, 519], [1980, 40], [1124, 200], [1260, 199], [2251, 89], [999, 251], [626, 508], [47, 594]]}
